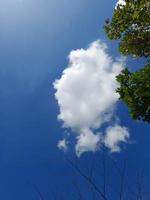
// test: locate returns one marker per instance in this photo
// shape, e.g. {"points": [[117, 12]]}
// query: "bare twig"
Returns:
{"points": [[87, 178], [38, 192], [122, 182]]}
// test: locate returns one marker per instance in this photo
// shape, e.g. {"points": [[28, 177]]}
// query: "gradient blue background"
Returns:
{"points": [[35, 38]]}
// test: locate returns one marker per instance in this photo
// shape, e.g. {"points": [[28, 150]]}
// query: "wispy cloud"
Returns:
{"points": [[115, 135], [121, 3], [87, 141], [62, 145], [86, 93]]}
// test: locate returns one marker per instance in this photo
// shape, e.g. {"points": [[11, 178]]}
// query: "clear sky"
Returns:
{"points": [[36, 37]]}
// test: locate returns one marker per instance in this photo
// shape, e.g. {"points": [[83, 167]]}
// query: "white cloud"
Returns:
{"points": [[62, 145], [86, 89], [115, 135], [121, 3], [87, 141], [86, 93]]}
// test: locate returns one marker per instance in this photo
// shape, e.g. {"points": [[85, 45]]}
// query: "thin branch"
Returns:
{"points": [[87, 178], [104, 176], [122, 182], [38, 192]]}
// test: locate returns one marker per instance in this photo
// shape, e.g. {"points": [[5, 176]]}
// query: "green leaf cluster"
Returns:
{"points": [[130, 25], [134, 90]]}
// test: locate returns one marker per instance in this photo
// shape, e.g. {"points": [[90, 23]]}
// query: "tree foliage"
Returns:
{"points": [[134, 90], [130, 24]]}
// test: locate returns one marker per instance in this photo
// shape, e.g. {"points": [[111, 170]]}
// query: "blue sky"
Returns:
{"points": [[36, 37]]}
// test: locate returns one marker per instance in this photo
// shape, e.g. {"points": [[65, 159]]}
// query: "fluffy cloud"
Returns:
{"points": [[87, 141], [62, 145], [86, 90], [86, 93], [121, 3], [114, 136]]}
